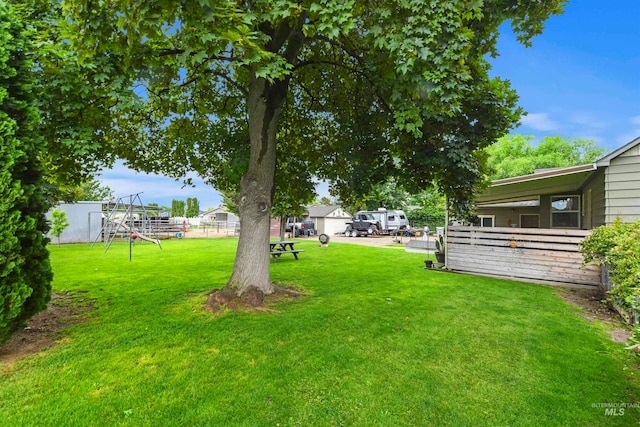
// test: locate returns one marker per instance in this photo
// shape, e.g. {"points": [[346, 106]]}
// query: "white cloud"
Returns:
{"points": [[624, 138], [539, 121], [608, 130], [588, 121], [630, 133]]}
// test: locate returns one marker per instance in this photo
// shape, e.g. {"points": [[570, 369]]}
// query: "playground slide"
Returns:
{"points": [[135, 235], [143, 237], [125, 227]]}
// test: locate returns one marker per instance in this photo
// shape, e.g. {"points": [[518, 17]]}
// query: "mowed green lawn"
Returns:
{"points": [[378, 340]]}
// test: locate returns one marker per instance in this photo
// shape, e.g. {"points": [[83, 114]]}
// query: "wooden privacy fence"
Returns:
{"points": [[535, 255]]}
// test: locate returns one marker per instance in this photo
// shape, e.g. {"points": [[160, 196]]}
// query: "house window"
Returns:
{"points": [[486, 220], [565, 211]]}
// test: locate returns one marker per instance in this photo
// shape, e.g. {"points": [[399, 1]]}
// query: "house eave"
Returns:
{"points": [[530, 187], [545, 174], [612, 155]]}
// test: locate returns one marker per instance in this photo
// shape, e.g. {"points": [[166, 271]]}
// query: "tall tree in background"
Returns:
{"points": [[25, 272], [514, 155], [389, 195], [93, 190], [230, 202], [432, 210], [193, 207], [324, 200], [177, 208], [346, 90]]}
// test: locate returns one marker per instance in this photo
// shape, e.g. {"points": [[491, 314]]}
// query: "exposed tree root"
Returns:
{"points": [[253, 300]]}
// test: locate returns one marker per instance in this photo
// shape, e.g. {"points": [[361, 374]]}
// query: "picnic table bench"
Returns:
{"points": [[283, 247]]}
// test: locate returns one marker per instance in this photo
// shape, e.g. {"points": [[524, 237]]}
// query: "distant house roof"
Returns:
{"points": [[615, 153], [220, 214], [321, 211], [213, 211]]}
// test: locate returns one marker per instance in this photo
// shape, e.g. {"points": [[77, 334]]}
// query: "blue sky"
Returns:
{"points": [[580, 79]]}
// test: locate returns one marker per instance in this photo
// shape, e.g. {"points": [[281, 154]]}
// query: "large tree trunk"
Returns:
{"points": [[250, 277], [252, 263]]}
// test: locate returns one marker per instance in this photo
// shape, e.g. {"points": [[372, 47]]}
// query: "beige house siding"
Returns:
{"points": [[622, 185], [545, 211], [319, 224], [330, 226], [594, 202]]}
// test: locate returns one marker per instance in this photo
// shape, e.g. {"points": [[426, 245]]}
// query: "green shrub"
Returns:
{"points": [[433, 217], [432, 211], [618, 247]]}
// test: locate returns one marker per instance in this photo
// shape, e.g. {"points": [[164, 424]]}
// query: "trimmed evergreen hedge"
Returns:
{"points": [[25, 271]]}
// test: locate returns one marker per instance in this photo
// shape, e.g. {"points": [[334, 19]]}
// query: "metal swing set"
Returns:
{"points": [[128, 219]]}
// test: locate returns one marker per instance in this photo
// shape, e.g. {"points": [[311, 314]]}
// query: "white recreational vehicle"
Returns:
{"points": [[381, 221]]}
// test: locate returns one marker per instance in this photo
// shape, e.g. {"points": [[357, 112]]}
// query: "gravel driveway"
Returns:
{"points": [[365, 241], [378, 241]]}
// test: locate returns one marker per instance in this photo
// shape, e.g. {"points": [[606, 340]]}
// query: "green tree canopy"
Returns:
{"points": [[514, 155], [388, 195], [93, 190], [344, 90], [87, 189]]}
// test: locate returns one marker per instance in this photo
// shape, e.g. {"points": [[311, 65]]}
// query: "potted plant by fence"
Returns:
{"points": [[440, 249]]}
